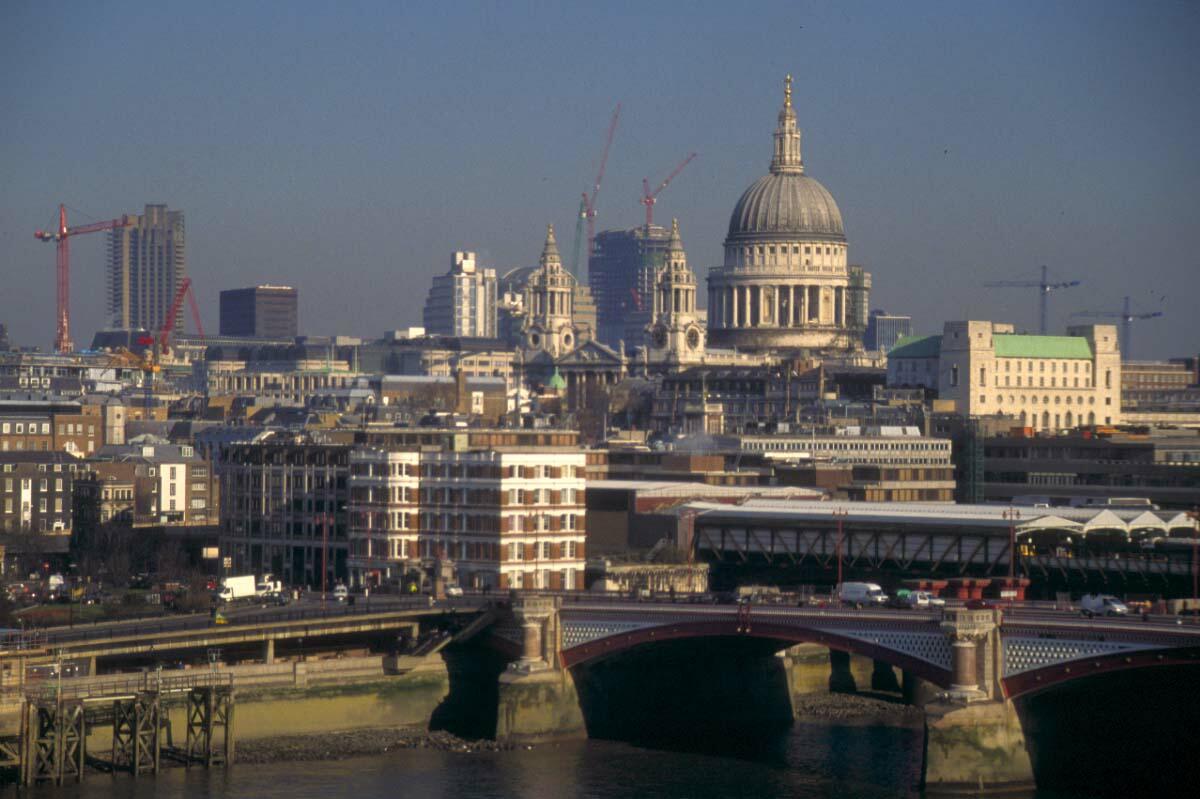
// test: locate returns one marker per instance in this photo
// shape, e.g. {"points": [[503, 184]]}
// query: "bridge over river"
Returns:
{"points": [[576, 663]]}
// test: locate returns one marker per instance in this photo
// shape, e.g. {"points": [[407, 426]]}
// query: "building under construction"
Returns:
{"points": [[621, 275]]}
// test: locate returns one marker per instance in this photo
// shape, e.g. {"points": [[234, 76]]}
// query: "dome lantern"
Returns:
{"points": [[787, 137]]}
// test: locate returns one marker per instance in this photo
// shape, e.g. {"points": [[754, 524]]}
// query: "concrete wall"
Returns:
{"points": [[331, 701]]}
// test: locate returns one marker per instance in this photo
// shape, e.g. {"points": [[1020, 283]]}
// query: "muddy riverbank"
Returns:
{"points": [[338, 745], [861, 708]]}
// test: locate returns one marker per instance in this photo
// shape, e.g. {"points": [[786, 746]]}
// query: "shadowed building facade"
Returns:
{"points": [[260, 312]]}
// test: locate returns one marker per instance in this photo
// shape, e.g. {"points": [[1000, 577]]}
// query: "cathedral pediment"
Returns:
{"points": [[591, 354]]}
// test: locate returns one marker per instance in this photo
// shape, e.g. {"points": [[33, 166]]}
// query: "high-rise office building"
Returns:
{"points": [[621, 273], [147, 262], [885, 329], [260, 311], [462, 302]]}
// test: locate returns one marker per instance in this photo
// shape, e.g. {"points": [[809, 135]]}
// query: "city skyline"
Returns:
{"points": [[962, 144]]}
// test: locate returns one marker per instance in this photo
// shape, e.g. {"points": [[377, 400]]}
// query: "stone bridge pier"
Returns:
{"points": [[973, 738], [537, 697]]}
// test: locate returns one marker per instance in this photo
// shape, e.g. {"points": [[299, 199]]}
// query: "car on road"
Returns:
{"points": [[924, 600], [454, 591], [276, 598], [341, 593], [915, 600]]}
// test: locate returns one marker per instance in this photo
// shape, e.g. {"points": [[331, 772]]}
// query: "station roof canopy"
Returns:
{"points": [[1181, 520], [1105, 520], [1147, 521], [1050, 523], [928, 515]]}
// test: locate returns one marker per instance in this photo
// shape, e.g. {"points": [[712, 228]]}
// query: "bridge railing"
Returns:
{"points": [[65, 635], [84, 688]]}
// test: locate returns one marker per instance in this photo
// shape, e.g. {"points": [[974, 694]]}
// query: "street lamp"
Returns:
{"points": [[1012, 515], [839, 516], [324, 519]]}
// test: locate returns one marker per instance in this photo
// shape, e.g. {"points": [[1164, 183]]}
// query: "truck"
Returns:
{"points": [[237, 587]]}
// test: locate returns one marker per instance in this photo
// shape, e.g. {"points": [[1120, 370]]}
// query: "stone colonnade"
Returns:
{"points": [[776, 305]]}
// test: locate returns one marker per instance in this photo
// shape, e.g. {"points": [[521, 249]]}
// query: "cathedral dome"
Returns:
{"points": [[786, 204]]}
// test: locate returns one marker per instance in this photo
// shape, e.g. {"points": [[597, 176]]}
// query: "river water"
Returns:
{"points": [[811, 760]]}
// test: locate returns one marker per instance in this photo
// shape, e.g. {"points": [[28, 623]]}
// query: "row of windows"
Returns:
{"points": [[1058, 400], [983, 378], [1054, 365], [33, 428], [26, 507], [539, 580], [852, 446], [517, 551], [43, 467], [1042, 382], [43, 484]]}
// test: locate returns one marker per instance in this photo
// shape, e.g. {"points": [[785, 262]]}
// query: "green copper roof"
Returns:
{"points": [[917, 347], [1014, 346], [557, 381]]}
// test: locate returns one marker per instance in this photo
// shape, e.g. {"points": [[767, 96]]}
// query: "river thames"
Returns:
{"points": [[811, 760]]}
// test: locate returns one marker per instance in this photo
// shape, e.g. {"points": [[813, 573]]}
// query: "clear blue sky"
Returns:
{"points": [[348, 148]]}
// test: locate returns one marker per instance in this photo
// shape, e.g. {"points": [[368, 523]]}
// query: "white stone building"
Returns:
{"points": [[549, 325], [1043, 382], [462, 302]]}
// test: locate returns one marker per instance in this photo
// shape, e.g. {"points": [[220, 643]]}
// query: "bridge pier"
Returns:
{"points": [[136, 728], [209, 711], [55, 742], [916, 691], [268, 656], [537, 698], [841, 679], [973, 739], [883, 678]]}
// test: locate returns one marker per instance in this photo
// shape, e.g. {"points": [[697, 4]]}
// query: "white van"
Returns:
{"points": [[1102, 605], [860, 594]]}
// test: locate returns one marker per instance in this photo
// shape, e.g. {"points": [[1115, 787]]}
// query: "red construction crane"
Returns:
{"points": [[650, 197], [62, 338], [590, 201], [185, 287]]}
